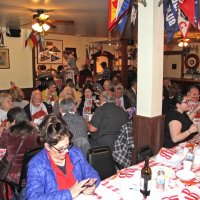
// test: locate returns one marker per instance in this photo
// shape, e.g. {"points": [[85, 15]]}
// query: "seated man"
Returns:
{"points": [[132, 93], [75, 123], [36, 110], [49, 95], [106, 122], [121, 99]]}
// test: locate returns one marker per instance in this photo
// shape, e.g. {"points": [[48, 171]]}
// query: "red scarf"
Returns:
{"points": [[38, 114], [63, 181]]}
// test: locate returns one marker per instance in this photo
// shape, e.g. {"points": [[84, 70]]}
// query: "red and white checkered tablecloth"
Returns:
{"points": [[123, 185]]}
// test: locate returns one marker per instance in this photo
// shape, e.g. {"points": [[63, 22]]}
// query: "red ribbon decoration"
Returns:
{"points": [[166, 153], [190, 195], [174, 197], [126, 173]]}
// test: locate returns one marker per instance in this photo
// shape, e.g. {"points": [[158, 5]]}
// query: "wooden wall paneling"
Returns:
{"points": [[148, 131]]}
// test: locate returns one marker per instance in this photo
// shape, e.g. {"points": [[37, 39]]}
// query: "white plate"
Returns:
{"points": [[185, 175], [169, 172]]}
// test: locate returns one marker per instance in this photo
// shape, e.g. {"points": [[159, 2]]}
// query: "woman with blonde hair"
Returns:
{"points": [[66, 93], [17, 96]]}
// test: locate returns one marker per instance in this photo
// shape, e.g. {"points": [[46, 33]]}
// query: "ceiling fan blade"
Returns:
{"points": [[26, 24], [50, 24], [61, 21]]}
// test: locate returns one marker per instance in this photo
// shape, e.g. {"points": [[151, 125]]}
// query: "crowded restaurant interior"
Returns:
{"points": [[100, 100]]}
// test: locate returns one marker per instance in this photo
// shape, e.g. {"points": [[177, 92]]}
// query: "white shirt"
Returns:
{"points": [[38, 113]]}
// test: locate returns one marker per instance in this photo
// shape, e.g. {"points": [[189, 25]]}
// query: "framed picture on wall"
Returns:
{"points": [[51, 53], [4, 58]]}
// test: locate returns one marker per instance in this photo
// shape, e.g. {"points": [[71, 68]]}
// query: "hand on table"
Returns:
{"points": [[91, 186]]}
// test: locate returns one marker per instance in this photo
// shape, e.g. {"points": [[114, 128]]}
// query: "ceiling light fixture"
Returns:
{"points": [[40, 27], [183, 43]]}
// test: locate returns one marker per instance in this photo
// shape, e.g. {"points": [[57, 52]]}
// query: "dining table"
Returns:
{"points": [[179, 185]]}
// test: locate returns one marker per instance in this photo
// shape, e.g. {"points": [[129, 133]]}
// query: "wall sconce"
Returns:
{"points": [[40, 27]]}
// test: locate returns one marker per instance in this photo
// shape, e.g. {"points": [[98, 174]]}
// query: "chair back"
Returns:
{"points": [[27, 157], [100, 158], [142, 152]]}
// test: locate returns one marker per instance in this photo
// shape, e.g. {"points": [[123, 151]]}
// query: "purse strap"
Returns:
{"points": [[20, 145]]}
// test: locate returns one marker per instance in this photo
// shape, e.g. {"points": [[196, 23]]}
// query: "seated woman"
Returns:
{"points": [[88, 102], [66, 93], [5, 105], [178, 126], [11, 139], [59, 171], [17, 96]]}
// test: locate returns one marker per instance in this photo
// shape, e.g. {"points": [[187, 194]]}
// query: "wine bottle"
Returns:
{"points": [[145, 181]]}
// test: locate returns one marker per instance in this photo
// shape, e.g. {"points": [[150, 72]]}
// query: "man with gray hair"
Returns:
{"points": [[106, 122], [76, 124]]}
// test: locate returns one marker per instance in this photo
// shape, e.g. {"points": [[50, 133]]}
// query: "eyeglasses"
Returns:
{"points": [[64, 149]]}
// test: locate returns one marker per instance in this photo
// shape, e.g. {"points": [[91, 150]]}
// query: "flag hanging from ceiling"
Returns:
{"points": [[187, 6], [191, 10], [122, 23], [197, 14], [183, 23], [123, 8], [87, 59], [112, 13], [134, 11], [31, 40], [170, 10]]}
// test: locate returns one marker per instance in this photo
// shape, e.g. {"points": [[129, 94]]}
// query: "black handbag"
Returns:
{"points": [[5, 165]]}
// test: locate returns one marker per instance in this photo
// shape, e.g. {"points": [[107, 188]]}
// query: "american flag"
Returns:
{"points": [[87, 59]]}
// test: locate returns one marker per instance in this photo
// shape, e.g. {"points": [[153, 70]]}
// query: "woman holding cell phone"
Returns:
{"points": [[59, 171]]}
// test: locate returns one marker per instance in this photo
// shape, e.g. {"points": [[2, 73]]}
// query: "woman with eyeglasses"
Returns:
{"points": [[178, 125], [59, 171]]}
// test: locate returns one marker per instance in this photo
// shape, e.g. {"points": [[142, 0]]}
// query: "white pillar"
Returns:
{"points": [[150, 59]]}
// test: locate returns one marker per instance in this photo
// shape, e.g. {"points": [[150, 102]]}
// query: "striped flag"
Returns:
{"points": [[87, 59], [170, 10], [31, 40], [183, 23], [112, 14], [188, 8]]}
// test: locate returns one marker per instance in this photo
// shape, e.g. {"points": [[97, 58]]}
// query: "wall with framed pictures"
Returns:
{"points": [[16, 62], [51, 53], [4, 58], [184, 63]]}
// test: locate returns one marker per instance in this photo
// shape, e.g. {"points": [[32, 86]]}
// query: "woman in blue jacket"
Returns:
{"points": [[59, 171]]}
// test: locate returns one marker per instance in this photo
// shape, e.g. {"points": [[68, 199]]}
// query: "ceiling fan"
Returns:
{"points": [[42, 22]]}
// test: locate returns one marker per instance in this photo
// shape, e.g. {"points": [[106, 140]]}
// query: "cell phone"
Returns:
{"points": [[87, 184]]}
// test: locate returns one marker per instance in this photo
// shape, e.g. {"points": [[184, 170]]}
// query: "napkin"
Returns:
{"points": [[169, 157], [2, 153]]}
